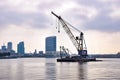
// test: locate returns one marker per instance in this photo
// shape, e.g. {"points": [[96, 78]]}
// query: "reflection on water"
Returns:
{"points": [[49, 69], [82, 69], [72, 71], [19, 70], [15, 70]]}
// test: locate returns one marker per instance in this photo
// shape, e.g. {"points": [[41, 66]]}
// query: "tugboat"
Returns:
{"points": [[78, 42]]}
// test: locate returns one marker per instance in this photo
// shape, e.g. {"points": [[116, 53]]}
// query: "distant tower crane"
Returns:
{"points": [[79, 41]]}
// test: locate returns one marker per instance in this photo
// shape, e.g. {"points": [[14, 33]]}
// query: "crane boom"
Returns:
{"points": [[67, 30], [77, 41]]}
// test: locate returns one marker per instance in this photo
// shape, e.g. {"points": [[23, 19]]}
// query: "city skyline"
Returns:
{"points": [[31, 21], [50, 45]]}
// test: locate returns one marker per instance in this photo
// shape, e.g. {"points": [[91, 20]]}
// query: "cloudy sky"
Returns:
{"points": [[31, 21]]}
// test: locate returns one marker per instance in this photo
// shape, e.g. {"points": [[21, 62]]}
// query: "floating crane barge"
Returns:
{"points": [[78, 42], [75, 60]]}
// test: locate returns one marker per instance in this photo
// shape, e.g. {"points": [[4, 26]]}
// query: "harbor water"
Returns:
{"points": [[49, 69]]}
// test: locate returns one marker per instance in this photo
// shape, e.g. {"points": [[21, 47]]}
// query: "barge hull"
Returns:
{"points": [[76, 60]]}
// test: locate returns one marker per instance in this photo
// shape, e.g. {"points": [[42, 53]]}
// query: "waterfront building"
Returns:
{"points": [[50, 46], [20, 48], [9, 46], [41, 52], [35, 52], [50, 43], [3, 48]]}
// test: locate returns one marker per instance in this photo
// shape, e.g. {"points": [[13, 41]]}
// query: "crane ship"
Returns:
{"points": [[78, 42]]}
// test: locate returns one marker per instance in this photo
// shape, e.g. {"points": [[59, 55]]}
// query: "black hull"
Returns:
{"points": [[76, 60]]}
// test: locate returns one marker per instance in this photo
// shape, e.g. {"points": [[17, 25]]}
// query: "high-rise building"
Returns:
{"points": [[50, 43], [9, 46], [3, 48], [20, 48]]}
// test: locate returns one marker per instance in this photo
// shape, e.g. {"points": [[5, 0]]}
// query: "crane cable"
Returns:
{"points": [[73, 27]]}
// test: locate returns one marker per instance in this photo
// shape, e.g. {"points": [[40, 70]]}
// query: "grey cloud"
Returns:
{"points": [[36, 20], [101, 22]]}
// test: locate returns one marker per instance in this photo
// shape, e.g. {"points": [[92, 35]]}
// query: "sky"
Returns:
{"points": [[31, 21]]}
